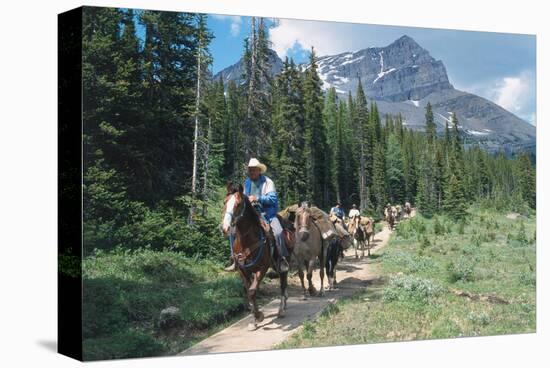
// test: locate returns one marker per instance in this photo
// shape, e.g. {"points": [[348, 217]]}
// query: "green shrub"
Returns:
{"points": [[408, 262], [425, 243], [528, 278], [521, 235], [481, 319], [461, 226], [519, 239], [131, 343], [461, 270], [439, 228], [407, 288], [158, 229]]}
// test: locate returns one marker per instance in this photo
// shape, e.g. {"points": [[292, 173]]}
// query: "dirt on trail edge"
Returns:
{"points": [[352, 275]]}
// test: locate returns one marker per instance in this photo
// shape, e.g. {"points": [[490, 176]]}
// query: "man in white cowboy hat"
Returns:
{"points": [[260, 189]]}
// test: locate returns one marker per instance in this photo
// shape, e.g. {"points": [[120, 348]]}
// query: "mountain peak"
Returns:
{"points": [[405, 42], [405, 38], [402, 77]]}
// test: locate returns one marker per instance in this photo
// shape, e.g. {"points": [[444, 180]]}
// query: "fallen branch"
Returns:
{"points": [[479, 297]]}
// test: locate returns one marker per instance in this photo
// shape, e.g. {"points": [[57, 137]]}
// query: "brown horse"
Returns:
{"points": [[360, 235], [368, 227], [308, 247], [251, 248], [390, 214], [408, 209], [335, 248]]}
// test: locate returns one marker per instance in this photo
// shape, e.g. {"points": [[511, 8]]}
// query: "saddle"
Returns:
{"points": [[288, 234]]}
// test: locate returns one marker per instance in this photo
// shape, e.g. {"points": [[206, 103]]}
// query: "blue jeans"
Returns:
{"points": [[279, 237], [277, 232]]}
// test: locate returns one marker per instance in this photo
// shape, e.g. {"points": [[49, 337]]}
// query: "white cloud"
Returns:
{"points": [[236, 22], [511, 92], [235, 29], [515, 93], [325, 37]]}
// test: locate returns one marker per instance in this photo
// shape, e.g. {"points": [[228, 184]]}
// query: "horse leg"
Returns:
{"points": [[355, 247], [283, 279], [329, 272], [258, 316], [310, 267], [246, 285], [368, 245], [301, 276], [322, 274], [246, 300]]}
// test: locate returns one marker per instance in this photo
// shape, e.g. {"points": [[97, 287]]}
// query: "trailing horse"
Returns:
{"points": [[408, 209], [390, 215], [252, 247], [335, 247], [362, 230], [309, 247]]}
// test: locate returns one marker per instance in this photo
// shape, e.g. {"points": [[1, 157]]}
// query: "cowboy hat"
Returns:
{"points": [[255, 163]]}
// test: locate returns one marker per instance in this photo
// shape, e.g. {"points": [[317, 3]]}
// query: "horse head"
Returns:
{"points": [[302, 221], [234, 205]]}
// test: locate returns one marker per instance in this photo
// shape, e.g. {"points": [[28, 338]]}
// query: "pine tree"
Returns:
{"points": [[234, 143], [203, 60], [379, 183], [427, 196], [430, 125], [257, 80], [455, 203], [409, 167], [315, 136], [330, 119], [525, 173], [365, 136], [394, 170], [439, 176], [287, 147]]}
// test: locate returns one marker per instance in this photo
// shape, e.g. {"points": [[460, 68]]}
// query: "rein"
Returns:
{"points": [[237, 217]]}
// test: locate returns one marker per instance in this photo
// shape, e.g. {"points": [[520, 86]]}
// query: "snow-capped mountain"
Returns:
{"points": [[402, 78]]}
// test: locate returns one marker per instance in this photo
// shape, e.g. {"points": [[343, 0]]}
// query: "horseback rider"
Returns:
{"points": [[338, 211], [353, 212], [261, 192], [387, 211]]}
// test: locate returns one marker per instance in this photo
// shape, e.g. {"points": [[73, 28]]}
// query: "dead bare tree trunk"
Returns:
{"points": [[196, 132], [205, 173], [251, 90]]}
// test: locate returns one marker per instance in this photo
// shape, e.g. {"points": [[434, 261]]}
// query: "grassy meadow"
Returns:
{"points": [[440, 278], [125, 292]]}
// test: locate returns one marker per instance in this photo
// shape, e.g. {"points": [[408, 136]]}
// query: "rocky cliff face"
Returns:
{"points": [[235, 71], [402, 78], [398, 72]]}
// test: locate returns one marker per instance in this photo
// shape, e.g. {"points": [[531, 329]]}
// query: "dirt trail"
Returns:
{"points": [[352, 275]]}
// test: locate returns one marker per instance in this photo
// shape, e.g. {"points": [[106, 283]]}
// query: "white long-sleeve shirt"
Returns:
{"points": [[354, 212]]}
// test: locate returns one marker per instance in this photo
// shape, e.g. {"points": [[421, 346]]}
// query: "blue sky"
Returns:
{"points": [[497, 66]]}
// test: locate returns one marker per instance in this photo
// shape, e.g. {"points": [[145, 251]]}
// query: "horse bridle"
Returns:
{"points": [[306, 225], [236, 218]]}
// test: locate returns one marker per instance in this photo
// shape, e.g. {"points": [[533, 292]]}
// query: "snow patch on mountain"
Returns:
{"points": [[383, 74], [353, 60]]}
